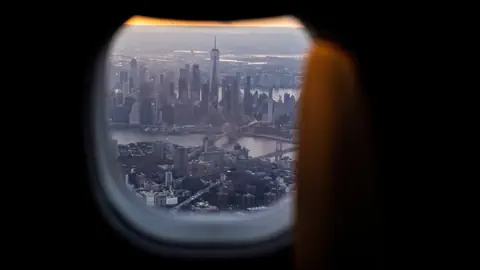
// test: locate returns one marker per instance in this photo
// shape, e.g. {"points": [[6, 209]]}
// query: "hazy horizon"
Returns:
{"points": [[275, 22], [160, 39]]}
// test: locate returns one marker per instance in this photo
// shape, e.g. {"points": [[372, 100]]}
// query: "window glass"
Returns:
{"points": [[201, 116]]}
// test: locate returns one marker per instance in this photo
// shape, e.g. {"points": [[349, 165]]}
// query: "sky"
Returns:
{"points": [[284, 22]]}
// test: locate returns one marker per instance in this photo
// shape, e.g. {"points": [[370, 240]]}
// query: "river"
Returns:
{"points": [[257, 146]]}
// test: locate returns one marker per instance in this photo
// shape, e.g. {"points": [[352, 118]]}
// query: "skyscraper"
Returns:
{"points": [[205, 144], [161, 83], [142, 75], [226, 96], [168, 179], [135, 114], [180, 161], [155, 108], [171, 90], [224, 89], [183, 85], [114, 147], [126, 88], [147, 103], [147, 111], [195, 84], [111, 80], [134, 73], [214, 76], [117, 97], [270, 110], [123, 77], [130, 85], [247, 97], [159, 149], [235, 94], [255, 100], [160, 94], [286, 98], [204, 97]]}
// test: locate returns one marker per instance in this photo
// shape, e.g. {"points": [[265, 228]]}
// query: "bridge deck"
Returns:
{"points": [[195, 196]]}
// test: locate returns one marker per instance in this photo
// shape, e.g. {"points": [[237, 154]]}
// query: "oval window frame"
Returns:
{"points": [[230, 234]]}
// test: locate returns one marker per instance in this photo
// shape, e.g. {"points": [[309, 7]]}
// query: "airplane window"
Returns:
{"points": [[201, 126]]}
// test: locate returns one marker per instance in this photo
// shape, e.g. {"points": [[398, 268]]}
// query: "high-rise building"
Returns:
{"points": [[159, 115], [150, 199], [226, 94], [168, 179], [128, 102], [224, 89], [183, 85], [180, 161], [286, 98], [142, 75], [291, 105], [247, 97], [160, 92], [153, 78], [195, 84], [147, 111], [270, 110], [111, 80], [134, 73], [255, 101], [235, 94], [117, 97], [120, 114], [131, 178], [126, 88], [147, 90], [168, 114], [168, 78], [123, 76], [147, 103], [248, 200], [204, 104], [135, 114], [114, 147], [205, 144], [280, 110], [171, 90], [214, 75], [161, 83], [130, 85], [155, 109]]}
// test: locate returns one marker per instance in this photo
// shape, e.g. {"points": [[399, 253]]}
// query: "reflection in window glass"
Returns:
{"points": [[202, 116]]}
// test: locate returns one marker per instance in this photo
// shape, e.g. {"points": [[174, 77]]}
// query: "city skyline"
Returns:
{"points": [[193, 133], [277, 22]]}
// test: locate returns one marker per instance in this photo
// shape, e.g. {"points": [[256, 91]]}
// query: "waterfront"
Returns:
{"points": [[257, 146]]}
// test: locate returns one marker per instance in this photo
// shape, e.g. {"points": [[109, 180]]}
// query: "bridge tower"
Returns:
{"points": [[278, 148]]}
